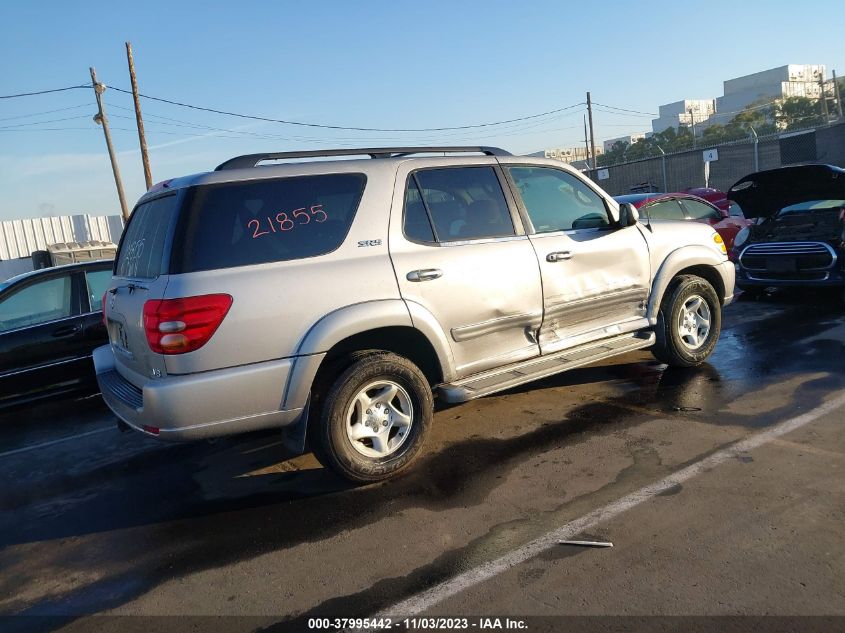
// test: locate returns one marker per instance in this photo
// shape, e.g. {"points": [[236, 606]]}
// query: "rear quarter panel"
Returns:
{"points": [[276, 304]]}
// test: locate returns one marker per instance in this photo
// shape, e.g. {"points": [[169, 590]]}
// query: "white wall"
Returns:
{"points": [[18, 238]]}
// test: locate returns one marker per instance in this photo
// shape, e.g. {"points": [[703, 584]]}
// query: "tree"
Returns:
{"points": [[798, 112], [760, 115]]}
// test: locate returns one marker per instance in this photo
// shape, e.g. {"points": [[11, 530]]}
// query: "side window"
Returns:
{"points": [[417, 226], [700, 211], [41, 302], [464, 203], [97, 281], [665, 210], [558, 201]]}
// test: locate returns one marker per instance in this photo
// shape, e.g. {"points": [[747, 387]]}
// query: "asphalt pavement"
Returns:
{"points": [[720, 487]]}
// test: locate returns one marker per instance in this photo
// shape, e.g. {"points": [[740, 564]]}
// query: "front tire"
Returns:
{"points": [[688, 323], [375, 418]]}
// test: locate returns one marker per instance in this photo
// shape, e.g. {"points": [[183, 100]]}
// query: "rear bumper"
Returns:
{"points": [[198, 406]]}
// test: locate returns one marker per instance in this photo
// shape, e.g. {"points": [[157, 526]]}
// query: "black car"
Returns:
{"points": [[50, 322], [798, 238]]}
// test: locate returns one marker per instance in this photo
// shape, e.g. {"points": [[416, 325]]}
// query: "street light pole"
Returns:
{"points": [[756, 149], [663, 164], [692, 119]]}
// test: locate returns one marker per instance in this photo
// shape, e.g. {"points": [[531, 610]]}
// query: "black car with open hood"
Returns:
{"points": [[798, 238]]}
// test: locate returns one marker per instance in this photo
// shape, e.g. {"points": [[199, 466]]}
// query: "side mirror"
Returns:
{"points": [[628, 215]]}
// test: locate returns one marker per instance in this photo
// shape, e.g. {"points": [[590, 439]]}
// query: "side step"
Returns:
{"points": [[503, 378]]}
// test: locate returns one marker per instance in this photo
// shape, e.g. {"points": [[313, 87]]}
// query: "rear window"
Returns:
{"points": [[143, 241], [261, 221]]}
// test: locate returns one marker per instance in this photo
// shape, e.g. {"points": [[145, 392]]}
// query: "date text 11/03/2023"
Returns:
{"points": [[418, 624], [287, 223]]}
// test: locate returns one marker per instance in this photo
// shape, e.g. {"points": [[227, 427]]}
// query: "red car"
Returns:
{"points": [[713, 196], [685, 206]]}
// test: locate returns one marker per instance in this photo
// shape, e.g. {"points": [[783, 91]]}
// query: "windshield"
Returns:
{"points": [[811, 205]]}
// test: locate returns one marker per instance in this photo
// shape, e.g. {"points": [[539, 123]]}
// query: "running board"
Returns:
{"points": [[509, 376]]}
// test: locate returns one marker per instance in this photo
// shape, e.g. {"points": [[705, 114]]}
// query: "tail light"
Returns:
{"points": [[177, 326]]}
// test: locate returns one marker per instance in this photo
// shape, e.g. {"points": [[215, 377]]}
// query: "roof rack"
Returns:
{"points": [[251, 160]]}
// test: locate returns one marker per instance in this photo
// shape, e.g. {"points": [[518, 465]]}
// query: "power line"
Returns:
{"points": [[49, 129], [41, 92], [67, 118], [344, 127], [26, 116], [595, 103], [640, 116], [511, 130]]}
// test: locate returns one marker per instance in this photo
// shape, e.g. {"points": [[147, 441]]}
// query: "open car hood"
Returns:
{"points": [[763, 194]]}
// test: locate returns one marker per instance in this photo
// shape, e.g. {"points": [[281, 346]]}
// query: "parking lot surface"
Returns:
{"points": [[99, 522]]}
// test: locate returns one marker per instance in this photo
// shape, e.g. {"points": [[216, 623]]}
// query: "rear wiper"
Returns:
{"points": [[131, 285]]}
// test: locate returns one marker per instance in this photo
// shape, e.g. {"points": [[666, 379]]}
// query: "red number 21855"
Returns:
{"points": [[301, 217]]}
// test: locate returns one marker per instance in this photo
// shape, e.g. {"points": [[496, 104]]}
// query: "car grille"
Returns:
{"points": [[807, 256], [117, 386]]}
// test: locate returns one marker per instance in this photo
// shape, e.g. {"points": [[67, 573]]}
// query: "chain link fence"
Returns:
{"points": [[683, 170]]}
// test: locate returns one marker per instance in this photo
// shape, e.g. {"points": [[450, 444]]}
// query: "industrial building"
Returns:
{"points": [[628, 139], [687, 112], [570, 154], [792, 80]]}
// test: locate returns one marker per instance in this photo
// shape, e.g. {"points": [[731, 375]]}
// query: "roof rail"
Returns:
{"points": [[251, 160]]}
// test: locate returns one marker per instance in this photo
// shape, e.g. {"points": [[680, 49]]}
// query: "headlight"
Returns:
{"points": [[720, 243], [741, 237]]}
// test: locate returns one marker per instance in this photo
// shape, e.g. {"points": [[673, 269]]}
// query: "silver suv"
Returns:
{"points": [[333, 299]]}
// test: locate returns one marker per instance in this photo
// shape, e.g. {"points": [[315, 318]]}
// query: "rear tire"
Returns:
{"points": [[374, 418], [688, 323]]}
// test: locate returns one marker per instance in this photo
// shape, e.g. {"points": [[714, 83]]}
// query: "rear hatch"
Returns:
{"points": [[139, 275]]}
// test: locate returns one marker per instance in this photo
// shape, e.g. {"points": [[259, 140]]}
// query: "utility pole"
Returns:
{"points": [[586, 142], [838, 94], [592, 136], [145, 158], [100, 118], [823, 96]]}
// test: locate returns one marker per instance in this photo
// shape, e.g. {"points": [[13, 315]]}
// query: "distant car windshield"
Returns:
{"points": [[810, 205]]}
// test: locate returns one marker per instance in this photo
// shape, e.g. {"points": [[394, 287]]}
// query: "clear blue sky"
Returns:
{"points": [[367, 64]]}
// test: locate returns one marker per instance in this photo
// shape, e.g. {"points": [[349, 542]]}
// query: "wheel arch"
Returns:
{"points": [[696, 260], [384, 325]]}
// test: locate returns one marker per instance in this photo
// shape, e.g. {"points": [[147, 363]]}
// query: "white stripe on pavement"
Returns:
{"points": [[420, 602], [33, 447]]}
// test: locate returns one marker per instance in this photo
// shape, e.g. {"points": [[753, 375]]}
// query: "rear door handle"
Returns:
{"points": [[558, 256], [68, 330], [426, 274]]}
